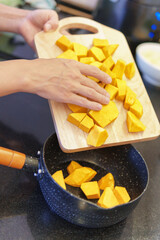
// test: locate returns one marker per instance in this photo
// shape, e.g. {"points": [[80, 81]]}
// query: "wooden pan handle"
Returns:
{"points": [[12, 158]]}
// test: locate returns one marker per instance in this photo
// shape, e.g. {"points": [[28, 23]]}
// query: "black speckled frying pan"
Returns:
{"points": [[124, 162]]}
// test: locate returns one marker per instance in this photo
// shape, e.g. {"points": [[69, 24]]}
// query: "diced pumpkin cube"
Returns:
{"points": [[109, 50], [97, 136], [80, 50], [90, 176], [94, 79], [68, 54], [106, 181], [130, 98], [79, 176], [119, 68], [134, 124], [77, 109], [87, 60], [112, 90], [121, 194], [91, 190], [130, 70], [137, 108], [100, 42], [122, 88], [72, 166], [58, 177], [109, 63], [106, 115], [96, 64], [75, 118], [63, 43], [108, 71], [108, 199], [86, 124], [97, 53]]}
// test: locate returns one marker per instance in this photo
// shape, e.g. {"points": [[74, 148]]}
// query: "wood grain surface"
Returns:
{"points": [[70, 137]]}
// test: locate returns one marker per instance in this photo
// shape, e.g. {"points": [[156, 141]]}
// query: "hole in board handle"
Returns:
{"points": [[78, 28]]}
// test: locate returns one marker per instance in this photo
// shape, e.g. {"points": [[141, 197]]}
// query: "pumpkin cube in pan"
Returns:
{"points": [[91, 190], [58, 177], [72, 166]]}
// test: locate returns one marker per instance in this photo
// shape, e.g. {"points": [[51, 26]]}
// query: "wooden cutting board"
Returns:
{"points": [[71, 138]]}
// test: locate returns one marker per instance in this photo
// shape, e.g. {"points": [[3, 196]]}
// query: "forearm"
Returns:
{"points": [[10, 18], [12, 77]]}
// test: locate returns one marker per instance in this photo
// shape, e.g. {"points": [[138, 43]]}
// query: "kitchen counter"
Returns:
{"points": [[25, 123]]}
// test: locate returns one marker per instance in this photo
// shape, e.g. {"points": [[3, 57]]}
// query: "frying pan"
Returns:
{"points": [[124, 162]]}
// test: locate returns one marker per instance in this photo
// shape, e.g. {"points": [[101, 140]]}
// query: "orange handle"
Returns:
{"points": [[12, 158]]}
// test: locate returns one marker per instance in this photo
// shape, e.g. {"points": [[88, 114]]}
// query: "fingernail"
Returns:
{"points": [[109, 80], [48, 26], [99, 107]]}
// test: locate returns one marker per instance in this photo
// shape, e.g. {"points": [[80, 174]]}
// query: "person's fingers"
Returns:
{"points": [[91, 94], [84, 102], [52, 22], [90, 83], [89, 70]]}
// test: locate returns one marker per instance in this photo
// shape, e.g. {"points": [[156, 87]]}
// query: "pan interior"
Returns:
{"points": [[124, 162]]}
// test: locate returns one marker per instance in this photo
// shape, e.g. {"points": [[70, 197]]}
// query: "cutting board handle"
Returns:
{"points": [[80, 23]]}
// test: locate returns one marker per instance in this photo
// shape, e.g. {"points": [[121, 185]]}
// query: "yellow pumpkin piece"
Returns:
{"points": [[77, 109], [114, 81], [102, 84], [80, 50], [119, 68], [122, 88], [63, 43], [121, 194], [94, 79], [75, 118], [90, 176], [79, 176], [109, 50], [58, 177], [72, 166], [68, 54], [97, 53], [137, 108], [106, 181], [130, 70], [108, 71], [97, 136], [86, 124], [134, 124], [91, 190], [108, 199], [106, 115], [112, 90], [87, 60], [130, 98], [100, 42], [109, 63], [96, 64]]}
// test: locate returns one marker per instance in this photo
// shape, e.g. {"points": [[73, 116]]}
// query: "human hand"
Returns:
{"points": [[63, 80], [35, 21]]}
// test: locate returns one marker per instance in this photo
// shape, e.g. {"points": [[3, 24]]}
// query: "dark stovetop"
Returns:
{"points": [[25, 123]]}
